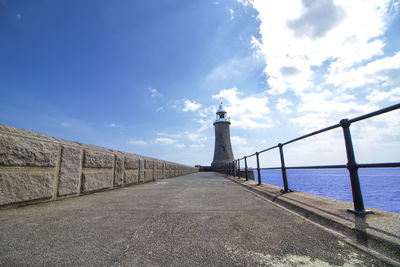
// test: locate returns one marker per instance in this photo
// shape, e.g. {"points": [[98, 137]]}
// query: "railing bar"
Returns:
{"points": [[312, 133], [375, 113], [309, 167], [365, 165], [272, 168], [379, 165], [267, 149], [318, 167]]}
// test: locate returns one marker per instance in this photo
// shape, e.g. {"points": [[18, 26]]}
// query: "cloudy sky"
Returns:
{"points": [[146, 77]]}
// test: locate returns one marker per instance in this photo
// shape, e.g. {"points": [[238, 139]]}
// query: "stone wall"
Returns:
{"points": [[250, 174], [35, 166]]}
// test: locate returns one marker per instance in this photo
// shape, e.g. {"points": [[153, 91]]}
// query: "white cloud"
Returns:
{"points": [[321, 109], [205, 124], [174, 135], [191, 106], [237, 140], [137, 142], [196, 138], [245, 2], [180, 146], [155, 93], [164, 141], [383, 72], [325, 12], [196, 146], [65, 124], [248, 112], [391, 95], [112, 125], [236, 67], [309, 34], [328, 57], [283, 105], [232, 12]]}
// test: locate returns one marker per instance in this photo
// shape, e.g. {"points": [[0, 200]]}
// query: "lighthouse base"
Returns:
{"points": [[220, 167]]}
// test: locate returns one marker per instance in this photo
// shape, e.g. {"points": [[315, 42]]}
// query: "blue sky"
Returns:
{"points": [[146, 77]]}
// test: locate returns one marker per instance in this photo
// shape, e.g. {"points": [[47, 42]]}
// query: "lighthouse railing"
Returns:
{"points": [[352, 166]]}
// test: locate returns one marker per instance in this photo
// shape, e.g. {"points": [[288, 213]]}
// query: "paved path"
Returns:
{"points": [[200, 219]]}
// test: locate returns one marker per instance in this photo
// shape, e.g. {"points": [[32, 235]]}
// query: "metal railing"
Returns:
{"points": [[351, 165]]}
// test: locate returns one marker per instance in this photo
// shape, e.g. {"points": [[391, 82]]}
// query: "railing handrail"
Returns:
{"points": [[351, 165]]}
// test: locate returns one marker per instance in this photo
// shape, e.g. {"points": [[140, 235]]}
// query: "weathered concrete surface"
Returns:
{"points": [[199, 219], [379, 231]]}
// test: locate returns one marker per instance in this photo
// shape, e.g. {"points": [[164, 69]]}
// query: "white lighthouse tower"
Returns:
{"points": [[223, 149]]}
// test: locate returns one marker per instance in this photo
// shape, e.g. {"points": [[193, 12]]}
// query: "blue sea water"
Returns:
{"points": [[380, 186]]}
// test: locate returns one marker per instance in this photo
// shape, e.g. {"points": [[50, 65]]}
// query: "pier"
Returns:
{"points": [[199, 219]]}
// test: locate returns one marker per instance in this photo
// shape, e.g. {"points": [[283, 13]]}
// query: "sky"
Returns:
{"points": [[146, 77]]}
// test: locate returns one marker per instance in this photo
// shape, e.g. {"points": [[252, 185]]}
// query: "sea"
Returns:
{"points": [[380, 187]]}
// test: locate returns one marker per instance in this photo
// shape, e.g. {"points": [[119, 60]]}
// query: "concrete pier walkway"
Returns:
{"points": [[200, 219]]}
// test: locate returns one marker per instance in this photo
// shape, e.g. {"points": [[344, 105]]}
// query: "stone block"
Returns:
{"points": [[118, 170], [17, 187], [141, 171], [97, 159], [92, 181], [148, 175], [149, 164], [131, 177], [16, 151], [131, 163], [159, 165], [158, 174], [69, 171]]}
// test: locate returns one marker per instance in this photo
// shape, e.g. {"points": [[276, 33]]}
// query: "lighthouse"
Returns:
{"points": [[223, 149]]}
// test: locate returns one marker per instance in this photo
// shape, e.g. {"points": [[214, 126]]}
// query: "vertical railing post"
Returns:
{"points": [[353, 170], [283, 168], [258, 169], [234, 168], [245, 168], [239, 168]]}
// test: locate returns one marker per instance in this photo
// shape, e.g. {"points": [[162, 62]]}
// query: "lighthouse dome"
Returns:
{"points": [[221, 109], [221, 114]]}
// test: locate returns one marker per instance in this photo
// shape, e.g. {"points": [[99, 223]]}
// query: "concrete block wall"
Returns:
{"points": [[35, 166]]}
